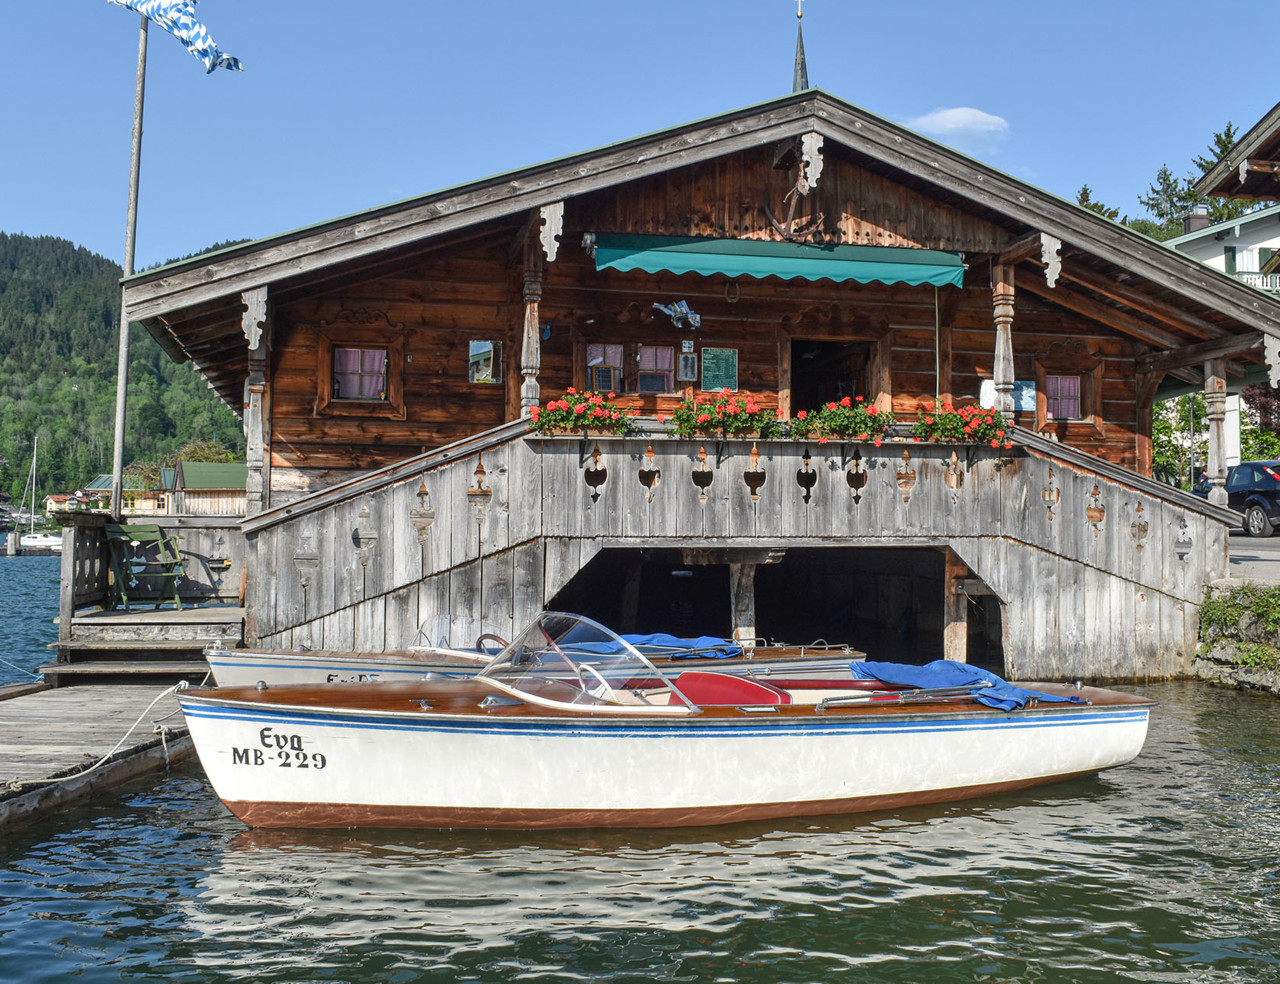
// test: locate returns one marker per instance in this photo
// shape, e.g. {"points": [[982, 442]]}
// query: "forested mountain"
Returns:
{"points": [[59, 319]]}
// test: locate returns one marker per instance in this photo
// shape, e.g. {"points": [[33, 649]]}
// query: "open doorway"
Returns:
{"points": [[825, 371]]}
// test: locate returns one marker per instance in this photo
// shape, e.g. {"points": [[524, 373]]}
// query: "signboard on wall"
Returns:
{"points": [[719, 368]]}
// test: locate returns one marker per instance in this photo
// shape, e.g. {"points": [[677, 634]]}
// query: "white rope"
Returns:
{"points": [[20, 669], [19, 783]]}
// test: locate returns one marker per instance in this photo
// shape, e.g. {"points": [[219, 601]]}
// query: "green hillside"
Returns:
{"points": [[59, 319]]}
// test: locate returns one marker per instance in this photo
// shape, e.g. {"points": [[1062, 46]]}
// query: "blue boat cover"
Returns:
{"points": [[701, 647], [946, 673]]}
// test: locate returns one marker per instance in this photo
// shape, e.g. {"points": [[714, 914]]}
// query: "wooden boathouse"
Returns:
{"points": [[387, 363]]}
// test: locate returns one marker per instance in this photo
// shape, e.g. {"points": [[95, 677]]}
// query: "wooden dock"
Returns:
{"points": [[58, 734]]}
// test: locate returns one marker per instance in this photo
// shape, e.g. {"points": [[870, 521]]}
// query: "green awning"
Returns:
{"points": [[762, 258]]}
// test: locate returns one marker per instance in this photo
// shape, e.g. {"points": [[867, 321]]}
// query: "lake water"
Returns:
{"points": [[1165, 870]]}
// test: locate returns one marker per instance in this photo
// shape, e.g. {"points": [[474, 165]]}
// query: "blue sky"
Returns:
{"points": [[344, 106]]}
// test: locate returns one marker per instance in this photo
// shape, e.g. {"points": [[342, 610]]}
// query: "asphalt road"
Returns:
{"points": [[1256, 558]]}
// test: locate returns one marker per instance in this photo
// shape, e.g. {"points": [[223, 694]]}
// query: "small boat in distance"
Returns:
{"points": [[41, 541], [553, 732]]}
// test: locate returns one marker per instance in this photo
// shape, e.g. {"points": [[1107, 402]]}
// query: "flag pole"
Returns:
{"points": [[122, 366]]}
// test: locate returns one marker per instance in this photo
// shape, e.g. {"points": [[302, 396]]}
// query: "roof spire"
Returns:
{"points": [[800, 81]]}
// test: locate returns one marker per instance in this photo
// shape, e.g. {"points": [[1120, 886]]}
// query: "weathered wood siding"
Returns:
{"points": [[470, 289], [1097, 578]]}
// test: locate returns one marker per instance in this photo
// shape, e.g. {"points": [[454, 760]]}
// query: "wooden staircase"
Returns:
{"points": [[160, 646]]}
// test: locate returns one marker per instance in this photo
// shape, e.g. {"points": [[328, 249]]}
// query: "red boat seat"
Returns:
{"points": [[708, 687]]}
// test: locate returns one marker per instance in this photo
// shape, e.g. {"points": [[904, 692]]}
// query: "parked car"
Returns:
{"points": [[1253, 488]]}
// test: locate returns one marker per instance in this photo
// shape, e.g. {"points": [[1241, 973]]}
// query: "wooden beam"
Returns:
{"points": [[1190, 355], [1102, 313], [1021, 249], [1131, 297]]}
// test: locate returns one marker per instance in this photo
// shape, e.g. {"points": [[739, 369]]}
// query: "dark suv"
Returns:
{"points": [[1253, 488]]}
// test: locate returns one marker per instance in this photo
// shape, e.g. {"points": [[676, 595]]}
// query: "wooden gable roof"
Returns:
{"points": [[1114, 276], [1250, 169]]}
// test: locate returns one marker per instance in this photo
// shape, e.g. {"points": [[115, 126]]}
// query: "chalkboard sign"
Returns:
{"points": [[719, 369]]}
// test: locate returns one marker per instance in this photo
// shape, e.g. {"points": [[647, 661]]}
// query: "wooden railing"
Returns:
{"points": [[1262, 281], [212, 548]]}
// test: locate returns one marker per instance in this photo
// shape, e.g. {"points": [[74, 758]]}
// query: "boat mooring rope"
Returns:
{"points": [[16, 784], [20, 669]]}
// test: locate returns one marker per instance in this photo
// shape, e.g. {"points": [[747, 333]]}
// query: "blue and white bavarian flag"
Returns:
{"points": [[178, 17]]}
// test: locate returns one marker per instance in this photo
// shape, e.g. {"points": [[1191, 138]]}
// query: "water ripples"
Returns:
{"points": [[1165, 870]]}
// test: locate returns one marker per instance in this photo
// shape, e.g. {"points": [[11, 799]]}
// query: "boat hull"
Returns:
{"points": [[287, 766]]}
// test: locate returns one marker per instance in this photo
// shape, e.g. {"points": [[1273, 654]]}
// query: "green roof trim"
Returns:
{"points": [[211, 475], [760, 258]]}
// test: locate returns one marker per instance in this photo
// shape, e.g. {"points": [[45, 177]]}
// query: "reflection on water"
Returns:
{"points": [[1165, 870]]}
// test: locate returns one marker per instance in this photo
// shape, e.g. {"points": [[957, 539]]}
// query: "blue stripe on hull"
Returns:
{"points": [[831, 722]]}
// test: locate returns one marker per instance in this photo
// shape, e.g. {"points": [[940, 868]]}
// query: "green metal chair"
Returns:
{"points": [[141, 551]]}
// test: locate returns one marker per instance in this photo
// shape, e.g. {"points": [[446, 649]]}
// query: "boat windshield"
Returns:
{"points": [[569, 659]]}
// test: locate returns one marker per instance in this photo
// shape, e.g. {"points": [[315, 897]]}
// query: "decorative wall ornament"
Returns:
{"points": [[649, 476], [1184, 541], [595, 474], [255, 315], [954, 477], [806, 477], [422, 515], [1050, 256], [905, 477], [552, 227], [1095, 512], [811, 156], [479, 495], [1050, 495], [754, 476], [856, 476], [1138, 529], [305, 562], [702, 474], [365, 535]]}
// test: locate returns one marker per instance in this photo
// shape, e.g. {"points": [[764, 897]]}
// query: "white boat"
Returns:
{"points": [[550, 734], [41, 541], [457, 647], [31, 540]]}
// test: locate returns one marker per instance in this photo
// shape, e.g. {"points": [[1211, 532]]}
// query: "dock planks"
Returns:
{"points": [[57, 732]]}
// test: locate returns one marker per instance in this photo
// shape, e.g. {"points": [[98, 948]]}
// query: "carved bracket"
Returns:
{"points": [[1051, 257], [552, 226]]}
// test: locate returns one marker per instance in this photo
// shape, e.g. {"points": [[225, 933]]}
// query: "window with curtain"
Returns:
{"points": [[1062, 397], [630, 368], [359, 374]]}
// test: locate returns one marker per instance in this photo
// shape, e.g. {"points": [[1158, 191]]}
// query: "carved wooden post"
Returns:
{"points": [[882, 372], [257, 333], [1144, 399], [1215, 398], [1002, 304], [531, 352]]}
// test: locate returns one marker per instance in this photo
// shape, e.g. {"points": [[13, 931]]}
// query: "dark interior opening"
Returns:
{"points": [[886, 602], [825, 372]]}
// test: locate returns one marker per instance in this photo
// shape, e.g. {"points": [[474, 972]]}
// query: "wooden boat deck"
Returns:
{"points": [[58, 733]]}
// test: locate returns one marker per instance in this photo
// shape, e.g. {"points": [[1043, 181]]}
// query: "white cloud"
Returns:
{"points": [[963, 127]]}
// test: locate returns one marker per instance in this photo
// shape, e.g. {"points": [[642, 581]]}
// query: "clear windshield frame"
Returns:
{"points": [[571, 660]]}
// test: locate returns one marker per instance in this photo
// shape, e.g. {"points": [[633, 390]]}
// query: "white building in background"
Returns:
{"points": [[1247, 248]]}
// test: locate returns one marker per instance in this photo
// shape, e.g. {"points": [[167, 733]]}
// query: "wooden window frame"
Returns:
{"points": [[392, 340], [1073, 359]]}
